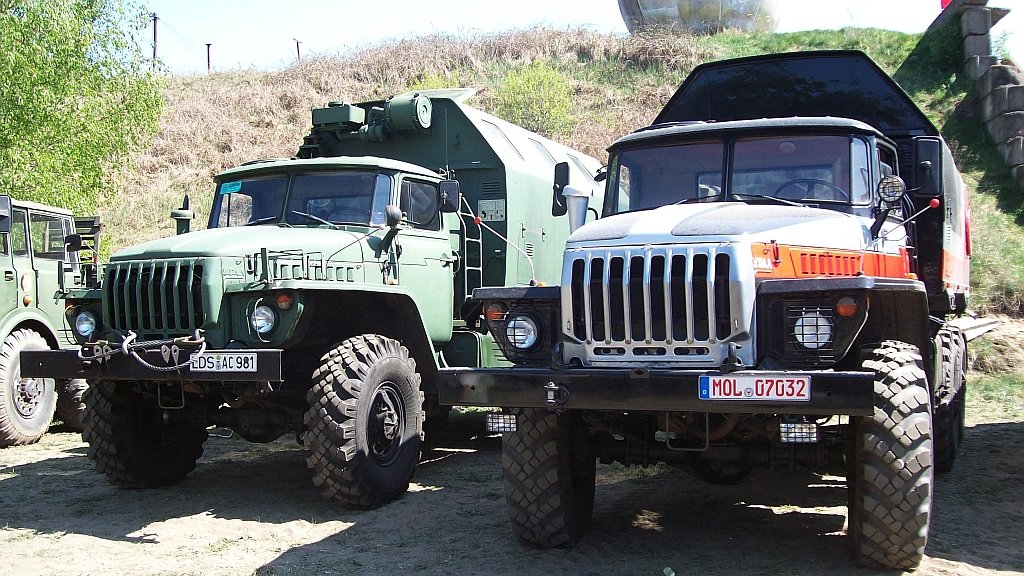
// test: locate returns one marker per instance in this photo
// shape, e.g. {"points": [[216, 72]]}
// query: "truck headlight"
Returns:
{"points": [[813, 330], [85, 323], [263, 319], [522, 332]]}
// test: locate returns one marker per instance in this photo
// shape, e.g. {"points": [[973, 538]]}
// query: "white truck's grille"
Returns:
{"points": [[659, 304]]}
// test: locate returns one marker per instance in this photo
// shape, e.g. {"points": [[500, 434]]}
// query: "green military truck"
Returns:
{"points": [[762, 290], [37, 272], [322, 299]]}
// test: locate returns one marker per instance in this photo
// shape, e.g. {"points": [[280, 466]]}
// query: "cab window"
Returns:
{"points": [[419, 205]]}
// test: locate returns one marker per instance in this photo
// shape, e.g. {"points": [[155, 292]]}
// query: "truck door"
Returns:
{"points": [[425, 262], [46, 239], [19, 280]]}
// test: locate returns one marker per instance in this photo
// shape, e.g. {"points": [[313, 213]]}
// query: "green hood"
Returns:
{"points": [[240, 241]]}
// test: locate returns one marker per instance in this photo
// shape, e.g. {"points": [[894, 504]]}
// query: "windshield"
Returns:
{"points": [[783, 169], [349, 197]]}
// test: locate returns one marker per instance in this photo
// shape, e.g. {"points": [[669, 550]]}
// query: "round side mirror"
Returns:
{"points": [[392, 215], [891, 189]]}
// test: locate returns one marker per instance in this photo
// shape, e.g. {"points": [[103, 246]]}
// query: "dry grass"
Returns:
{"points": [[212, 122]]}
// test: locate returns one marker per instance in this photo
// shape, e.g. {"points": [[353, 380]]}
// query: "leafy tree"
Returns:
{"points": [[75, 98]]}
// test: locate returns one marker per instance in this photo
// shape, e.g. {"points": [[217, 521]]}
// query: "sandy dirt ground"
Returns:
{"points": [[252, 509]]}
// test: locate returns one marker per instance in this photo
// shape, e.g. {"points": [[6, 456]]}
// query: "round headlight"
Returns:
{"points": [[813, 330], [522, 332], [85, 323], [263, 319]]}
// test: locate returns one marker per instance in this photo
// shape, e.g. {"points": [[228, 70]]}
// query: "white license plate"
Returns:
{"points": [[223, 362], [743, 387]]}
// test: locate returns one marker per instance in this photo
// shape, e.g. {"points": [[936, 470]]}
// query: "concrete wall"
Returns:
{"points": [[999, 84]]}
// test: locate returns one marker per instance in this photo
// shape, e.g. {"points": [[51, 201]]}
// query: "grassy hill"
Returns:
{"points": [[597, 88]]}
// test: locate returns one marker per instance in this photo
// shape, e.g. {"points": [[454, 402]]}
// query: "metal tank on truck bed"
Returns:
{"points": [[768, 286], [323, 297]]}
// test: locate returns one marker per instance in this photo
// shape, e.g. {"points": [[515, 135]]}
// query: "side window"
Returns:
{"points": [[19, 233], [419, 205], [47, 236]]}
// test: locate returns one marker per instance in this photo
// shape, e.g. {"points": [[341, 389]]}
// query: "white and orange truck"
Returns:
{"points": [[769, 284]]}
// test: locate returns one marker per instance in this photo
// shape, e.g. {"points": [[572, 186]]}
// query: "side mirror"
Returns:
{"points": [[450, 199], [5, 214], [183, 216], [73, 242], [392, 216], [891, 189], [558, 207]]}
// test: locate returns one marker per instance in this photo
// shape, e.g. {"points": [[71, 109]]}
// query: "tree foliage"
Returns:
{"points": [[75, 98]]}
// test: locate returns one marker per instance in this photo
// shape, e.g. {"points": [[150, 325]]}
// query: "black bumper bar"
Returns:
{"points": [[66, 364], [620, 389]]}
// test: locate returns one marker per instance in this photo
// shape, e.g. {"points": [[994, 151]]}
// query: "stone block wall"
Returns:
{"points": [[999, 84]]}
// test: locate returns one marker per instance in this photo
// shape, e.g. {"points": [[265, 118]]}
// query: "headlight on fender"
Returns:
{"points": [[85, 323], [813, 330], [263, 319], [522, 332]]}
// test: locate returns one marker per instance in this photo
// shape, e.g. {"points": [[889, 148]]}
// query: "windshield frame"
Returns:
{"points": [[282, 211], [861, 202]]}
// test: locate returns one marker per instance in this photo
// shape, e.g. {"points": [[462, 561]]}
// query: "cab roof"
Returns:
{"points": [[841, 83], [695, 130], [326, 163]]}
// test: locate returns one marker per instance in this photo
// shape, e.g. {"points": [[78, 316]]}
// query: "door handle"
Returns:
{"points": [[8, 275]]}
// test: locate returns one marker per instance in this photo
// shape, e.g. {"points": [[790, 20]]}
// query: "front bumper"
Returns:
{"points": [[67, 364], [621, 389]]}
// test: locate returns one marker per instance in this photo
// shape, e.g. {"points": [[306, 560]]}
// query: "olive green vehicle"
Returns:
{"points": [[37, 273], [322, 299]]}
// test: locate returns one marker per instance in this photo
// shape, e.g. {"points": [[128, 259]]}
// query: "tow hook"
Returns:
{"points": [[556, 396], [732, 363]]}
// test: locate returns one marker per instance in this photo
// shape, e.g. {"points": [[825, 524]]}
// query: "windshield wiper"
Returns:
{"points": [[745, 197], [263, 220], [315, 218]]}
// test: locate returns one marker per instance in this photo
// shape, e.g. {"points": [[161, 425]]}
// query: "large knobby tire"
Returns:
{"points": [[891, 492], [364, 424], [132, 443], [549, 469], [949, 391], [71, 404], [26, 404]]}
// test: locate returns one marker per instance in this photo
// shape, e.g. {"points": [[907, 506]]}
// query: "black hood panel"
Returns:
{"points": [[840, 83]]}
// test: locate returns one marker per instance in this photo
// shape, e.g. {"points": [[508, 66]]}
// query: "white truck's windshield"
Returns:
{"points": [[793, 169], [315, 198]]}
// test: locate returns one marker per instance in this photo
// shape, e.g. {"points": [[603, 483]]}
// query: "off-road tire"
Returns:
{"points": [[549, 467], [949, 391], [891, 491], [71, 404], [131, 443], [364, 422], [26, 404]]}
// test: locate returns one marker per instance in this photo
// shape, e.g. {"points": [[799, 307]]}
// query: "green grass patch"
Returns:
{"points": [[998, 397]]}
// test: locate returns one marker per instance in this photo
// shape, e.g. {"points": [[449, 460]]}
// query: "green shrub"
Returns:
{"points": [[538, 98]]}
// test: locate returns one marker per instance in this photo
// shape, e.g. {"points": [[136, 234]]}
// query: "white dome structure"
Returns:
{"points": [[699, 16]]}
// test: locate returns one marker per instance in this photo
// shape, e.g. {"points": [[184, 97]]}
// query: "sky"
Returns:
{"points": [[269, 34]]}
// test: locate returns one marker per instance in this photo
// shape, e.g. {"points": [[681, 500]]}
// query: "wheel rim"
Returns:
{"points": [[386, 424], [28, 394]]}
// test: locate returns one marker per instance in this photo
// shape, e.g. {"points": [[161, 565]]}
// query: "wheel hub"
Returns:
{"points": [[28, 393], [387, 423]]}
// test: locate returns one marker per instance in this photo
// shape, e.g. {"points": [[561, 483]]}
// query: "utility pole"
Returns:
{"points": [[298, 55], [154, 40], [208, 57]]}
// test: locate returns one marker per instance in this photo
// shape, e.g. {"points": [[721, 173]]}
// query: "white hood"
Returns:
{"points": [[728, 221]]}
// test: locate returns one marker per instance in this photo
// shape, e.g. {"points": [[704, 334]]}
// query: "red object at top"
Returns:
{"points": [[945, 3]]}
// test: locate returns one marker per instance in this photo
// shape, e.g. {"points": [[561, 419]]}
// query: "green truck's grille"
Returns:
{"points": [[154, 297]]}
